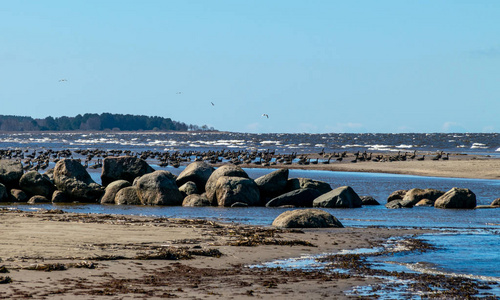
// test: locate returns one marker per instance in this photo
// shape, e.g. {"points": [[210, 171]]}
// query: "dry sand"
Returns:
{"points": [[101, 257]]}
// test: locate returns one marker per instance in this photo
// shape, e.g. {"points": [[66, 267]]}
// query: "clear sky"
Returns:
{"points": [[311, 66]]}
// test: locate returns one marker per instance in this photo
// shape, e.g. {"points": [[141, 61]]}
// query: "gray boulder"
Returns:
{"points": [[225, 170], [17, 195], [10, 172], [196, 200], [127, 196], [272, 184], [306, 218], [72, 178], [396, 195], [456, 198], [123, 167], [4, 196], [37, 199], [413, 196], [34, 183], [188, 188], [158, 188], [496, 202], [60, 197], [369, 200], [341, 197], [198, 172], [112, 189], [297, 198], [229, 190], [307, 183], [394, 204]]}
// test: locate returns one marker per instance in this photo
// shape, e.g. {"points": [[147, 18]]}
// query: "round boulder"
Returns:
{"points": [[3, 193], [396, 195], [127, 196], [196, 200], [225, 170], [73, 179], [306, 218], [60, 197], [10, 172], [112, 189], [34, 183], [158, 188], [457, 198], [198, 172], [273, 184], [124, 167], [229, 190], [413, 196]]}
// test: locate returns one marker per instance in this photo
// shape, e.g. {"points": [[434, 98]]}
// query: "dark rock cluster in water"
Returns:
{"points": [[131, 180]]}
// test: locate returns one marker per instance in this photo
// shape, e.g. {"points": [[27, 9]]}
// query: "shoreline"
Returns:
{"points": [[471, 167], [58, 255]]}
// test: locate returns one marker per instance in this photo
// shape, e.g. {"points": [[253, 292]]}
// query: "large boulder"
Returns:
{"points": [[127, 196], [198, 172], [112, 189], [229, 190], [341, 197], [456, 198], [123, 167], [307, 183], [71, 178], [225, 170], [158, 188], [4, 196], [196, 200], [297, 198], [306, 218], [34, 183], [397, 195], [10, 172], [414, 196], [272, 184]]}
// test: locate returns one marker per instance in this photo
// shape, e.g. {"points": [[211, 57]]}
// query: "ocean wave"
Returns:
{"points": [[479, 146]]}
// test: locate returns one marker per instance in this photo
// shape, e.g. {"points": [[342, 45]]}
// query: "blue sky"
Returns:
{"points": [[312, 66]]}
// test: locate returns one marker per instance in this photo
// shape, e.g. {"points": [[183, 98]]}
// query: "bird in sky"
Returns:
{"points": [[212, 104], [265, 115], [178, 93], [61, 80]]}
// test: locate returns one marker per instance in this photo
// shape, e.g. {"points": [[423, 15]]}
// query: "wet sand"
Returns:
{"points": [[56, 255]]}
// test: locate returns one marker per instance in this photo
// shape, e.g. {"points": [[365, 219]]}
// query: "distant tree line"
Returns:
{"points": [[95, 122]]}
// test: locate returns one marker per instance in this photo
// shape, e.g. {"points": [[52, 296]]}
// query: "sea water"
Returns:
{"points": [[468, 242]]}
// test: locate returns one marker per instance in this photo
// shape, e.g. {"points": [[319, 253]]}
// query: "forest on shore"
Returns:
{"points": [[96, 122]]}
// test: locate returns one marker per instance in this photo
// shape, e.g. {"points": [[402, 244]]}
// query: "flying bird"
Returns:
{"points": [[61, 80], [178, 93], [212, 104], [265, 115]]}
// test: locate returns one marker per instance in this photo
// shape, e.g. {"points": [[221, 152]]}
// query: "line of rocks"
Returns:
{"points": [[130, 180]]}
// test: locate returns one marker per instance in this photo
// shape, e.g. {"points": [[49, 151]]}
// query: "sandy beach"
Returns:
{"points": [[56, 255], [458, 166]]}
